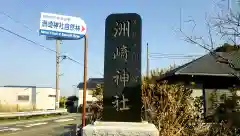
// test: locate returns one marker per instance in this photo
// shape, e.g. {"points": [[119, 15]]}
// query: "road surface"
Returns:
{"points": [[56, 127]]}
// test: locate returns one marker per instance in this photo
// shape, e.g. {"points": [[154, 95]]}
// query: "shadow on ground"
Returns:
{"points": [[68, 130]]}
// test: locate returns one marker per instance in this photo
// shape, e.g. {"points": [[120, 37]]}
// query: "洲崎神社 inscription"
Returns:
{"points": [[122, 68]]}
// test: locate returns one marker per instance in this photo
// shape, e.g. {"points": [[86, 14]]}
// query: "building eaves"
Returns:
{"points": [[207, 65]]}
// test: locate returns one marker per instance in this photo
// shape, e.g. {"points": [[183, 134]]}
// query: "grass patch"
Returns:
{"points": [[34, 117], [6, 107]]}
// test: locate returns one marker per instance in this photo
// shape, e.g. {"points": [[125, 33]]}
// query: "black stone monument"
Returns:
{"points": [[122, 68]]}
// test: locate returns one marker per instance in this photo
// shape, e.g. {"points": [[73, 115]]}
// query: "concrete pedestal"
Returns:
{"points": [[120, 129]]}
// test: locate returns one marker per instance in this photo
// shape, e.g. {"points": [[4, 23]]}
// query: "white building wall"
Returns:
{"points": [[45, 98], [10, 95], [9, 98], [197, 93], [89, 97], [40, 98]]}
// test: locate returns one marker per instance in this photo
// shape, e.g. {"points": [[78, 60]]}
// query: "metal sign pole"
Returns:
{"points": [[85, 81], [57, 72]]}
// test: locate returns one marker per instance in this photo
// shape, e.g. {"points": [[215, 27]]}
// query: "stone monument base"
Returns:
{"points": [[120, 129]]}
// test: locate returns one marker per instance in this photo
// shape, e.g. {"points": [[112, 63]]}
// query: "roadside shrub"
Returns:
{"points": [[173, 110]]}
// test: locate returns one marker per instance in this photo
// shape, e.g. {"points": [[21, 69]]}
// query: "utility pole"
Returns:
{"points": [[85, 81], [147, 62], [57, 72]]}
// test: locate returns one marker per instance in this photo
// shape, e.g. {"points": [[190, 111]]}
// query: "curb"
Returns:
{"points": [[37, 120]]}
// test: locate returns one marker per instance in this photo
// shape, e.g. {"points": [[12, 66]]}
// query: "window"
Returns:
{"points": [[51, 95], [23, 97]]}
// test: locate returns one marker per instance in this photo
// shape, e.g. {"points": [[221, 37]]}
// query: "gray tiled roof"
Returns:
{"points": [[208, 65], [91, 83]]}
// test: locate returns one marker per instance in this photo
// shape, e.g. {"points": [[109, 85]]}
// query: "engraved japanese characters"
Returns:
{"points": [[122, 66]]}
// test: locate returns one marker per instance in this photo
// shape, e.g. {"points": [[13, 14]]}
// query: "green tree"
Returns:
{"points": [[226, 47], [223, 27], [71, 100], [62, 102], [98, 91]]}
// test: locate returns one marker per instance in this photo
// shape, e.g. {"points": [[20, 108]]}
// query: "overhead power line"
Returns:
{"points": [[170, 54], [16, 21], [173, 56], [44, 47]]}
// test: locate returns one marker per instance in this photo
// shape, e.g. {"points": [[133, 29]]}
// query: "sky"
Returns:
{"points": [[23, 63]]}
